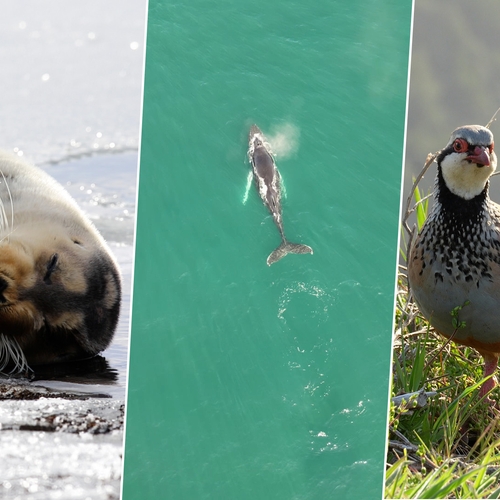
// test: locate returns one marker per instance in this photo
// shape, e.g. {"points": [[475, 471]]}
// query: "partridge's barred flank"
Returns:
{"points": [[455, 259]]}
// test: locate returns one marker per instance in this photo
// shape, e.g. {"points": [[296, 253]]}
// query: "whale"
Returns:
{"points": [[268, 182]]}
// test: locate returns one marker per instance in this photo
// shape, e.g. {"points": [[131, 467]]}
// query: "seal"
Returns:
{"points": [[268, 182], [60, 286]]}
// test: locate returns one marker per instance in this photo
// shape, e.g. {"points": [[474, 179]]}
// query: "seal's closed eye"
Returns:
{"points": [[51, 266]]}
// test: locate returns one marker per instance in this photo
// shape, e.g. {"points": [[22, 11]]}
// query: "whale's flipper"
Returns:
{"points": [[286, 248], [249, 185]]}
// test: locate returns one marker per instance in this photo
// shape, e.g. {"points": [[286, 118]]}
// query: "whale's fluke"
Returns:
{"points": [[285, 248]]}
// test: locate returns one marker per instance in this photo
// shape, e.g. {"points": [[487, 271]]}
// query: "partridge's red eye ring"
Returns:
{"points": [[460, 146]]}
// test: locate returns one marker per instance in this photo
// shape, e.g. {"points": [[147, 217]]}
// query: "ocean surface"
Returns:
{"points": [[249, 381]]}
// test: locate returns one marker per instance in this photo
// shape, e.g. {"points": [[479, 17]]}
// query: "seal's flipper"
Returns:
{"points": [[285, 248]]}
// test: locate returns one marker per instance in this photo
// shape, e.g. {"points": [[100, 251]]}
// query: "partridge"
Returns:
{"points": [[455, 259]]}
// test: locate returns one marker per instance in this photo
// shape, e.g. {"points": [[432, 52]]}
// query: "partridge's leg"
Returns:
{"points": [[490, 366]]}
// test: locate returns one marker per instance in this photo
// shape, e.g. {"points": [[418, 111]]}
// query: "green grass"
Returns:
{"points": [[449, 448]]}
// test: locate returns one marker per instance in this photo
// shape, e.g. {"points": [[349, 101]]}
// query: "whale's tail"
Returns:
{"points": [[286, 248]]}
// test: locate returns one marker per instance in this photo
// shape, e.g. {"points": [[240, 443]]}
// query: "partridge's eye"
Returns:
{"points": [[460, 146], [51, 266]]}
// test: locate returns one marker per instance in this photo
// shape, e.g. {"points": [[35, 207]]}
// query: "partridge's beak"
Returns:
{"points": [[480, 156]]}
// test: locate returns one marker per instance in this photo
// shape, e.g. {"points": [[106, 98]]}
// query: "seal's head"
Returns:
{"points": [[59, 283], [59, 295]]}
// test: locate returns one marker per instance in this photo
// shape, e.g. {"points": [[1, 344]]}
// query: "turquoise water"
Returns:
{"points": [[249, 381]]}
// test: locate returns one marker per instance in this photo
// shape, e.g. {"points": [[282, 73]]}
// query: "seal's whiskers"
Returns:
{"points": [[11, 352]]}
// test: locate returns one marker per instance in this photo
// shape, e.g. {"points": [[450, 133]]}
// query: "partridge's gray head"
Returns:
{"points": [[468, 160]]}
